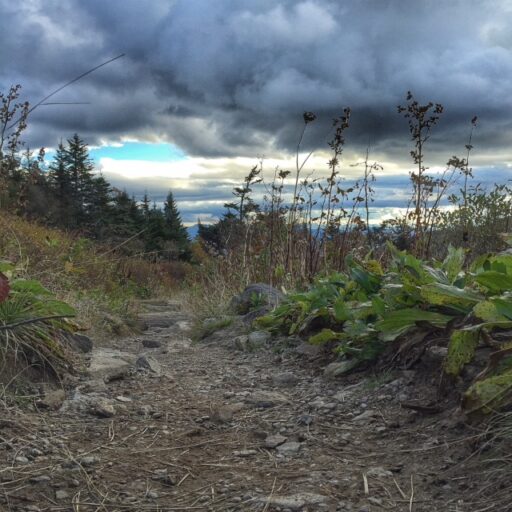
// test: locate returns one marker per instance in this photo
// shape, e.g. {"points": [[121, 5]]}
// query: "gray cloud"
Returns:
{"points": [[231, 77]]}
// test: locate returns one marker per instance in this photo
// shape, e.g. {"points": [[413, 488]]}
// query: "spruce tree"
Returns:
{"points": [[155, 234], [61, 187], [100, 206], [175, 231], [80, 168]]}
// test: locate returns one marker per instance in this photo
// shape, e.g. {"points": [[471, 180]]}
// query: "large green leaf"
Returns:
{"points": [[494, 281], [439, 294], [367, 280], [29, 286], [399, 322], [340, 310], [54, 307], [461, 349], [6, 266], [453, 263]]}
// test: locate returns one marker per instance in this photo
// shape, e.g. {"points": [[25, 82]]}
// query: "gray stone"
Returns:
{"points": [[266, 399], [285, 379], [254, 297], [305, 419], [184, 325], [339, 368], [259, 338], [163, 476], [225, 413], [379, 472], [110, 364], [365, 417], [88, 461], [61, 495], [244, 453], [123, 399], [53, 399], [294, 502], [40, 479], [93, 386], [102, 408], [308, 350], [145, 410], [151, 343], [274, 441], [149, 363], [289, 448], [436, 352], [20, 459]]}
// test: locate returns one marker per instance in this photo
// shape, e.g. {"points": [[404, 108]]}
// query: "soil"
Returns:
{"points": [[209, 427]]}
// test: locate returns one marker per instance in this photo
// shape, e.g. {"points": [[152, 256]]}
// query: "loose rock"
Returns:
{"points": [[149, 363]]}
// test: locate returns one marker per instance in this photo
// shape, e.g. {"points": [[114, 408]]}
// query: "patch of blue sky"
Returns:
{"points": [[145, 151]]}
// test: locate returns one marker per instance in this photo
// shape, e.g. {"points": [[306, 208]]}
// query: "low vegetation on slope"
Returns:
{"points": [[367, 312], [53, 283]]}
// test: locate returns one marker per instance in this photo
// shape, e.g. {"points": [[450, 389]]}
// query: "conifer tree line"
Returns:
{"points": [[69, 194]]}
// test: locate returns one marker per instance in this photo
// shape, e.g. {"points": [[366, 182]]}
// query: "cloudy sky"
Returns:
{"points": [[208, 87]]}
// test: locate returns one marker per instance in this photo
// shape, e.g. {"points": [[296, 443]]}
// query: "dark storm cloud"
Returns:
{"points": [[232, 77]]}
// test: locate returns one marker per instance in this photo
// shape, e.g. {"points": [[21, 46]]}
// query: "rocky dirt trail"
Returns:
{"points": [[159, 423]]}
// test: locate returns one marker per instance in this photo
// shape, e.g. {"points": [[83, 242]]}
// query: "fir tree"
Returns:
{"points": [[80, 167], [175, 231], [155, 233], [100, 206], [60, 184]]}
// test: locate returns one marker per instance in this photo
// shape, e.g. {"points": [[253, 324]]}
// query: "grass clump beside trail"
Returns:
{"points": [[367, 312], [53, 283]]}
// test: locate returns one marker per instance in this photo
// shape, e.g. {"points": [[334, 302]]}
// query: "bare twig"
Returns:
{"points": [[67, 84]]}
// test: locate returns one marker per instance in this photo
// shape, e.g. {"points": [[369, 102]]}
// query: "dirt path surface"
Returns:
{"points": [[207, 427]]}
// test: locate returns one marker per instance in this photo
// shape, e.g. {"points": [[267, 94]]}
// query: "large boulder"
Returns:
{"points": [[256, 300]]}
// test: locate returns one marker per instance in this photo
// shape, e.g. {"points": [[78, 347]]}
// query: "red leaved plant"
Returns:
{"points": [[4, 287]]}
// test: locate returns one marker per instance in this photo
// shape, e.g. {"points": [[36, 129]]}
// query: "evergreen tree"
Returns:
{"points": [[60, 184], [80, 167], [100, 206], [175, 231], [145, 205], [155, 233], [126, 219]]}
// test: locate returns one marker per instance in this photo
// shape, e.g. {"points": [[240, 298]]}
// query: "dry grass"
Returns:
{"points": [[94, 279]]}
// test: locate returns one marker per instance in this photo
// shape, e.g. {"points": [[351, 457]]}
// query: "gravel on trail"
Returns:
{"points": [[160, 423]]}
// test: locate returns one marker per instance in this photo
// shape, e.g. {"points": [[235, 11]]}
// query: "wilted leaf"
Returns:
{"points": [[490, 394], [461, 349]]}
